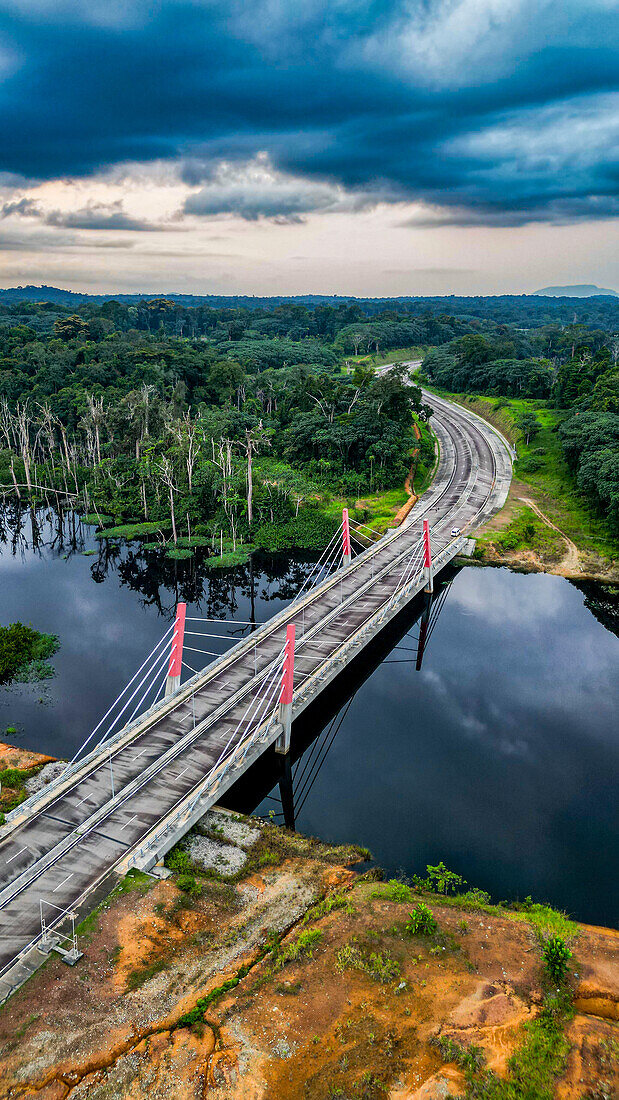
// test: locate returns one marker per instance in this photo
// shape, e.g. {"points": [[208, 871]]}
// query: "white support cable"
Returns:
{"points": [[119, 697], [415, 562], [159, 662], [195, 671], [326, 550], [276, 668], [209, 652], [157, 672], [204, 634], [368, 528], [161, 687], [233, 622]]}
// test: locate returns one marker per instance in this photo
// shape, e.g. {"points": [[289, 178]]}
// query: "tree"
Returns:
{"points": [[166, 472], [70, 328], [255, 438]]}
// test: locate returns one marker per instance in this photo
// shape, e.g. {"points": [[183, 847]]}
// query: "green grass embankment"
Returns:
{"points": [[542, 474]]}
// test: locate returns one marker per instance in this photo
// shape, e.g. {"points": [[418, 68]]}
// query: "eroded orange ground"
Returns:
{"points": [[110, 1027], [13, 757]]}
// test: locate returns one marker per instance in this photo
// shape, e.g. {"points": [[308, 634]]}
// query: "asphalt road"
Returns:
{"points": [[71, 842]]}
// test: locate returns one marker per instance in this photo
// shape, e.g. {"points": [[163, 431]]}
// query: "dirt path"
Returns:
{"points": [[571, 561]]}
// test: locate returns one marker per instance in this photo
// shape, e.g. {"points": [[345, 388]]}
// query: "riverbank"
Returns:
{"points": [[266, 967], [546, 525], [21, 774]]}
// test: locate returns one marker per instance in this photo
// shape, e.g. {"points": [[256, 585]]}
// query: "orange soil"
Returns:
{"points": [[110, 1027]]}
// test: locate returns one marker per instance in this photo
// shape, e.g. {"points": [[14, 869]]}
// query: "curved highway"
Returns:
{"points": [[64, 844]]}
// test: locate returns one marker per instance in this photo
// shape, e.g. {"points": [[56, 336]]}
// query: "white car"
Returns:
{"points": [[455, 531]]}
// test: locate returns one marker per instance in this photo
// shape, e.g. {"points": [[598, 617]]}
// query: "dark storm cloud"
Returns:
{"points": [[501, 111], [93, 216], [98, 216]]}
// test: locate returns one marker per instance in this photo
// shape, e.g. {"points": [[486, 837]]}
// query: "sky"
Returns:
{"points": [[362, 147]]}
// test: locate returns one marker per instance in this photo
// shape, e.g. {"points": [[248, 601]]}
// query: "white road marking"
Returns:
{"points": [[140, 753], [128, 822], [62, 883], [24, 849], [180, 773], [86, 798]]}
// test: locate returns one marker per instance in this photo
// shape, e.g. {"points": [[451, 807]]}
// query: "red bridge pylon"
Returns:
{"points": [[173, 681], [346, 537]]}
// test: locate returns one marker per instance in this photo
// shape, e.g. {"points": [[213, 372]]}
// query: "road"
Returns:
{"points": [[69, 843]]}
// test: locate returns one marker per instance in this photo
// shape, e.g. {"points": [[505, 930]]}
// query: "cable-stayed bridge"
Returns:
{"points": [[134, 789]]}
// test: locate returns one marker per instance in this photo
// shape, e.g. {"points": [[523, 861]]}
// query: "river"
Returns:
{"points": [[499, 756]]}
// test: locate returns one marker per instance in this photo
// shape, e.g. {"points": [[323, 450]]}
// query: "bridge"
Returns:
{"points": [[126, 801]]}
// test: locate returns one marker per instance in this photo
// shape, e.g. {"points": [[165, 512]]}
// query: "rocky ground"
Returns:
{"points": [[296, 979]]}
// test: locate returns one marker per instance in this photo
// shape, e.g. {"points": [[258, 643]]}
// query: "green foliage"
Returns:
{"points": [[443, 881], [470, 1057], [535, 1065], [178, 860], [328, 905], [178, 553], [546, 920], [528, 531], [93, 520], [378, 965], [228, 560], [310, 530], [393, 891], [556, 957], [297, 950], [197, 1013], [421, 922], [23, 653], [189, 885], [131, 530], [137, 978]]}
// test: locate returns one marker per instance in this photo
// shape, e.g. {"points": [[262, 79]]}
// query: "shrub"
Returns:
{"points": [[470, 1058], [442, 880], [23, 652], [178, 860], [189, 885], [301, 948], [421, 921], [393, 891], [556, 957], [378, 965]]}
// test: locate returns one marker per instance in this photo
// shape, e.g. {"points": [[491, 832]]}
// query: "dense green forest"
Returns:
{"points": [[572, 368], [212, 428], [230, 426]]}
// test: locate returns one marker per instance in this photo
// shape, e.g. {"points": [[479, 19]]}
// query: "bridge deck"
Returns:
{"points": [[62, 846]]}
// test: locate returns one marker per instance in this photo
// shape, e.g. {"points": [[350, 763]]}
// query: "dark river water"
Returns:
{"points": [[499, 756]]}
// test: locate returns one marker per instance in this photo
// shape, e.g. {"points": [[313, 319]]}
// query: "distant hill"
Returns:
{"points": [[586, 290]]}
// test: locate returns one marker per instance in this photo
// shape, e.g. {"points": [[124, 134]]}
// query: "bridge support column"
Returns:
{"points": [[346, 537], [427, 558], [286, 793], [173, 681], [285, 700], [423, 632]]}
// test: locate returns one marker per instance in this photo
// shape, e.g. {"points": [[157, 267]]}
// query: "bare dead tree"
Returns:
{"points": [[166, 472], [186, 432], [255, 438]]}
